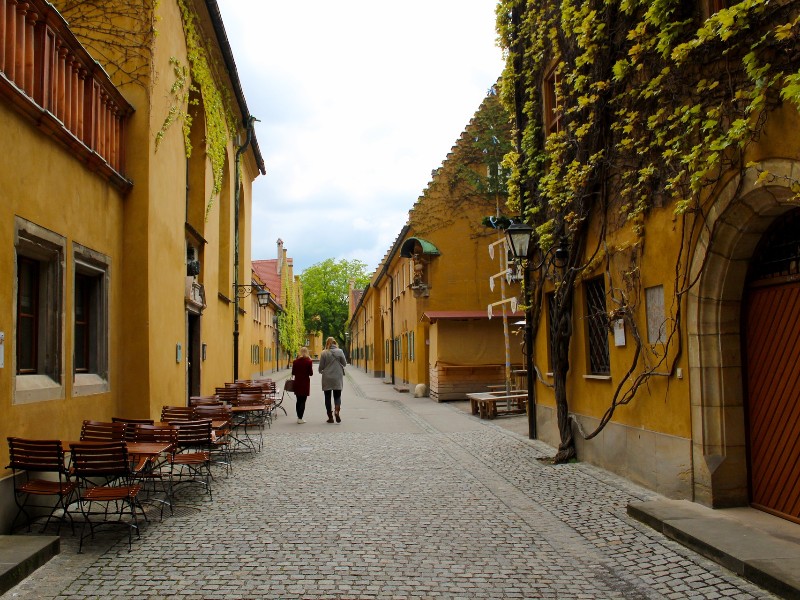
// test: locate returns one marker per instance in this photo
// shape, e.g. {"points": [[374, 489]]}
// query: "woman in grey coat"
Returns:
{"points": [[331, 367]]}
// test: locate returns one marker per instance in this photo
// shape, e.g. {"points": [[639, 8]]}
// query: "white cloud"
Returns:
{"points": [[358, 101]]}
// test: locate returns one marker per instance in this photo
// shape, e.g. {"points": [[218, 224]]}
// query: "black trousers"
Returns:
{"points": [[300, 406], [337, 399]]}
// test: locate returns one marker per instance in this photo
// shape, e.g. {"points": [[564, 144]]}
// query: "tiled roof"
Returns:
{"points": [[267, 270]]}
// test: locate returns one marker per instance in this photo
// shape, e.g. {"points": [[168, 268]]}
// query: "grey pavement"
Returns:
{"points": [[406, 498]]}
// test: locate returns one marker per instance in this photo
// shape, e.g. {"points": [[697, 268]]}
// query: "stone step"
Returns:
{"points": [[21, 555]]}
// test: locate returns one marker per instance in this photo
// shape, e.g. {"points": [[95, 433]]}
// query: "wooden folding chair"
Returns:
{"points": [[102, 431], [30, 457], [194, 455], [94, 461], [157, 470], [130, 425]]}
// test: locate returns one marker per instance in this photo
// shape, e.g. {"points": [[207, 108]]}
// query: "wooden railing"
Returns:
{"points": [[50, 76]]}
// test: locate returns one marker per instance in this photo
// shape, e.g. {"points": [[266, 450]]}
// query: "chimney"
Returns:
{"points": [[280, 255]]}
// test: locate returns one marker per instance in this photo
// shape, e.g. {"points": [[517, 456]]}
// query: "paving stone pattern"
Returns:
{"points": [[332, 512]]}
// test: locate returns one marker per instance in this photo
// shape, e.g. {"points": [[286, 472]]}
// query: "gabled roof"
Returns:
{"points": [[233, 73], [267, 270]]}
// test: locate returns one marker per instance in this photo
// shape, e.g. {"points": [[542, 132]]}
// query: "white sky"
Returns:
{"points": [[358, 101]]}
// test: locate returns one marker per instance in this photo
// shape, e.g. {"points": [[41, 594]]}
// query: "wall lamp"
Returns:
{"points": [[518, 240], [519, 237], [243, 291]]}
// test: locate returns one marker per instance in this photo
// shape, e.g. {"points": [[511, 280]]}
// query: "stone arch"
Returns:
{"points": [[744, 209]]}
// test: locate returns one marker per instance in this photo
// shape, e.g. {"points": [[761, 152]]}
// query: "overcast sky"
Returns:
{"points": [[358, 101]]}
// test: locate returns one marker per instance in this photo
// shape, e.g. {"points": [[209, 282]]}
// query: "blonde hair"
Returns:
{"points": [[331, 341], [303, 351]]}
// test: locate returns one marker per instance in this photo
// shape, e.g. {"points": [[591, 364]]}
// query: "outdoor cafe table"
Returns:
{"points": [[485, 404], [134, 448]]}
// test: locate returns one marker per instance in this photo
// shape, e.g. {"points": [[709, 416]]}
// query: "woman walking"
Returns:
{"points": [[331, 367], [302, 370]]}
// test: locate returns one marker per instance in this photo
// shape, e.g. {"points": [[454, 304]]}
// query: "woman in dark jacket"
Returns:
{"points": [[302, 370]]}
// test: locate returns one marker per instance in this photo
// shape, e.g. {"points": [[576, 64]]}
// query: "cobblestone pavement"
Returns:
{"points": [[405, 499]]}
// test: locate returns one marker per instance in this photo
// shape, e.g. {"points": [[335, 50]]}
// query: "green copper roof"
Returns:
{"points": [[407, 250]]}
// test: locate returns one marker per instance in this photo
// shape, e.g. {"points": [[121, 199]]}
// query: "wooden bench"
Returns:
{"points": [[489, 405]]}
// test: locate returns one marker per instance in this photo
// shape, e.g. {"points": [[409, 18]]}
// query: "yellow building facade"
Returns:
{"points": [[118, 250], [424, 318]]}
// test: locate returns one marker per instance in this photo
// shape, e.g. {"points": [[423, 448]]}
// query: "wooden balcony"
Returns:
{"points": [[51, 78]]}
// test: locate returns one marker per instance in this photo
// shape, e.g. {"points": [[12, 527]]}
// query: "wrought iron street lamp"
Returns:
{"points": [[239, 292], [519, 237]]}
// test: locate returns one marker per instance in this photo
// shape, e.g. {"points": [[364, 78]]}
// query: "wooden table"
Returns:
{"points": [[138, 448], [485, 404]]}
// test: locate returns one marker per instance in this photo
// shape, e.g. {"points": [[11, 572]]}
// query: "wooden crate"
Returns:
{"points": [[454, 382]]}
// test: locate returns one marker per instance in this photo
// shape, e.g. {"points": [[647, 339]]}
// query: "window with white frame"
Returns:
{"points": [[39, 334]]}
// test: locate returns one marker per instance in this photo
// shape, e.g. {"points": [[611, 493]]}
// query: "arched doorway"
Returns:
{"points": [[735, 225], [772, 369]]}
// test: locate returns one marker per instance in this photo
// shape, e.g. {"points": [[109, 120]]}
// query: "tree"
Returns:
{"points": [[326, 286], [620, 107]]}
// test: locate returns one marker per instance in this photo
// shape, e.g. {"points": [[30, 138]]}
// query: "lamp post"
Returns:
{"points": [[519, 237], [239, 292]]}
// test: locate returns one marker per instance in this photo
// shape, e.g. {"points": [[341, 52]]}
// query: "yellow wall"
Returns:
{"points": [[45, 184]]}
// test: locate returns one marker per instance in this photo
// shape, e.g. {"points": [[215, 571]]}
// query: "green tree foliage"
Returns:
{"points": [[325, 295], [657, 103]]}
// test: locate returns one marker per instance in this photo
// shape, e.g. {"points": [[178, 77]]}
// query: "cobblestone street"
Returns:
{"points": [[404, 499]]}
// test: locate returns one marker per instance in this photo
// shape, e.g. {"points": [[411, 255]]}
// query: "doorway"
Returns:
{"points": [[193, 355], [772, 354]]}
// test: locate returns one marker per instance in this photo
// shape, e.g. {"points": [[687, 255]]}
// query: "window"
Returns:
{"points": [[411, 346], [597, 322], [90, 320], [656, 315], [83, 322], [39, 335], [386, 353], [551, 114], [27, 314], [398, 352]]}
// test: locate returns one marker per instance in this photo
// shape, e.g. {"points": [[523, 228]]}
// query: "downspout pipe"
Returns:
{"points": [[391, 321], [236, 200]]}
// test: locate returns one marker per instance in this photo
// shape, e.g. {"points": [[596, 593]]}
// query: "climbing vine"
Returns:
{"points": [[119, 35], [622, 107], [199, 76], [291, 327]]}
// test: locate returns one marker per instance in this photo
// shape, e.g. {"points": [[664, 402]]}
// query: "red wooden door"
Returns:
{"points": [[773, 398]]}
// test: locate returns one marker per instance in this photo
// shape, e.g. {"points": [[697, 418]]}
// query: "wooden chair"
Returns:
{"points": [[102, 431], [221, 443], [110, 461], [30, 457], [158, 470], [130, 425], [177, 413], [226, 394], [205, 400], [194, 456]]}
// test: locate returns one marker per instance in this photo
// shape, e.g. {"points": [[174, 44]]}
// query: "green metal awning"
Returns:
{"points": [[409, 248]]}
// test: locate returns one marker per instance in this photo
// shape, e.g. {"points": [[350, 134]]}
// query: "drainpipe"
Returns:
{"points": [[391, 319], [237, 196]]}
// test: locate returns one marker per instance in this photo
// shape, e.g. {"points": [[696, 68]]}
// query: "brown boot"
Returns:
{"points": [[330, 417], [338, 418]]}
